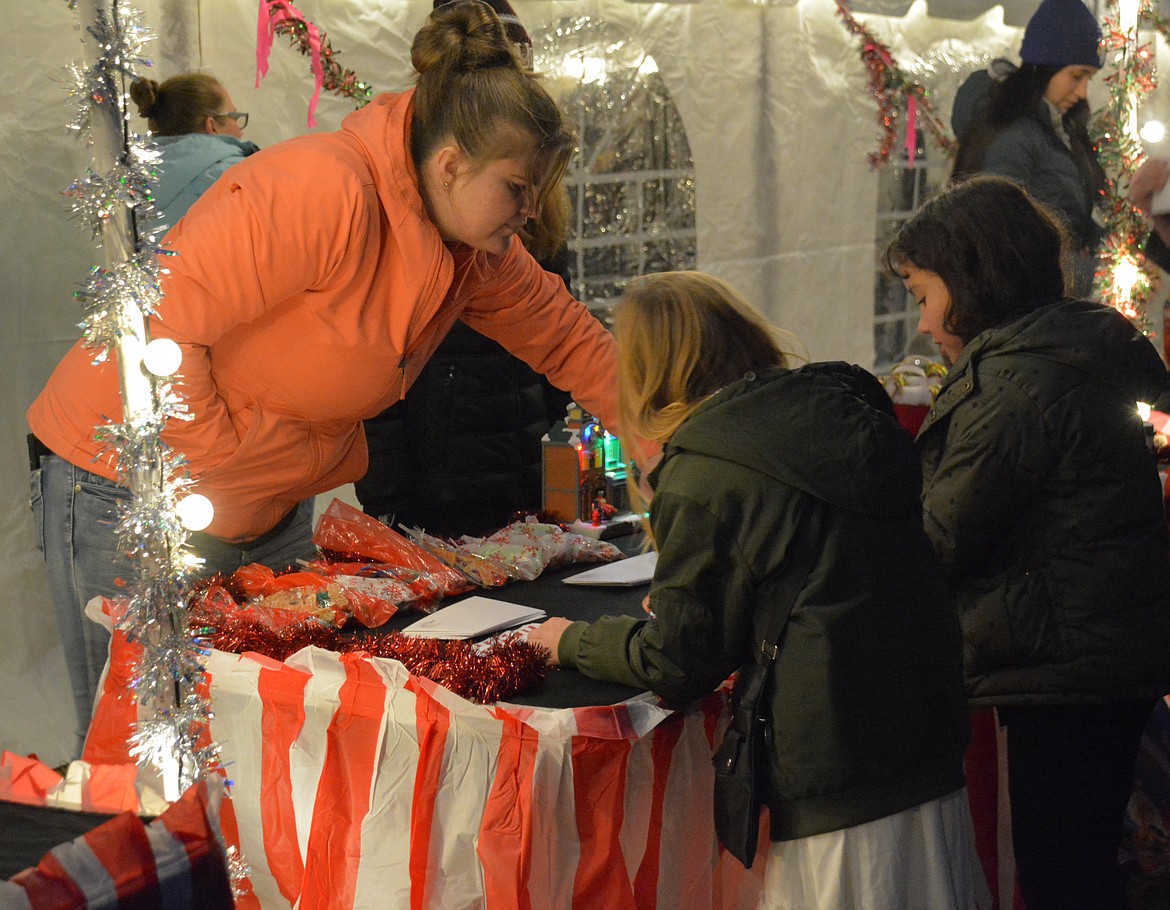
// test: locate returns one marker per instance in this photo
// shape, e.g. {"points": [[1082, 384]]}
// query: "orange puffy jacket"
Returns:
{"points": [[308, 290]]}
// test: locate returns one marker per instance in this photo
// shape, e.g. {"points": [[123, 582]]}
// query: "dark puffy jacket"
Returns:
{"points": [[1042, 499], [1030, 153], [866, 695], [461, 453]]}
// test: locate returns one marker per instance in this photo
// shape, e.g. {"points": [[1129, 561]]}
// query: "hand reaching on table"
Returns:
{"points": [[548, 634], [1147, 181]]}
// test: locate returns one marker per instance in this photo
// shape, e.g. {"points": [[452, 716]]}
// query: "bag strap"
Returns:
{"points": [[800, 565], [753, 679]]}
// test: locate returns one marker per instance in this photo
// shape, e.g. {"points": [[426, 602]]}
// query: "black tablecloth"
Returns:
{"points": [[565, 688]]}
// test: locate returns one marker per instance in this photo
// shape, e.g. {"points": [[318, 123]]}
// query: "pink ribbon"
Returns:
{"points": [[276, 11], [911, 127]]}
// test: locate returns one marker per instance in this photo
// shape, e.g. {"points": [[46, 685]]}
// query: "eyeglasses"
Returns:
{"points": [[239, 116]]}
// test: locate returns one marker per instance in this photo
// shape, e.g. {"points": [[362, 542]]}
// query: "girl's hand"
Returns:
{"points": [[548, 634]]}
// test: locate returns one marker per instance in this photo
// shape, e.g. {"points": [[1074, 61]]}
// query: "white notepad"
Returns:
{"points": [[634, 570], [472, 618]]}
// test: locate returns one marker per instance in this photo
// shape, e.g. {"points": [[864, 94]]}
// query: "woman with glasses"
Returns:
{"points": [[199, 133]]}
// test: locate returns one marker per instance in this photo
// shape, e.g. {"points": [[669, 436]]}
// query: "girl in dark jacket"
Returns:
{"points": [[1042, 498], [783, 486]]}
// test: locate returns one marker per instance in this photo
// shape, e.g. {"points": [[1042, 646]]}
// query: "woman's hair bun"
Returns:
{"points": [[144, 94], [463, 36]]}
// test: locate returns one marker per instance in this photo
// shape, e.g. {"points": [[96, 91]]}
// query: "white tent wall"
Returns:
{"points": [[778, 117]]}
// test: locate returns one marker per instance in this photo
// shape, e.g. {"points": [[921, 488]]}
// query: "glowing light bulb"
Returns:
{"points": [[162, 357], [195, 512], [1126, 273], [1153, 131]]}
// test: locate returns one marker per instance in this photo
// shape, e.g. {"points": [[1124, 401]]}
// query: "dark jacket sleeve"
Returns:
{"points": [[702, 597]]}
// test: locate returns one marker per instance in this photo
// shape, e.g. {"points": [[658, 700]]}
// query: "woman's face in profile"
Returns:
{"points": [[1069, 86], [934, 301]]}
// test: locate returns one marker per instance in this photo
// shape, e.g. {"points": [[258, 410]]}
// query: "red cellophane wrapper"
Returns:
{"points": [[216, 608], [377, 591], [349, 532], [298, 593]]}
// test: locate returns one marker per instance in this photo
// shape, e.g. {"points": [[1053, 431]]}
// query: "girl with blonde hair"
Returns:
{"points": [[796, 489]]}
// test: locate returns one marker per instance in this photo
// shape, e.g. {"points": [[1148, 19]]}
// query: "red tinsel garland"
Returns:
{"points": [[482, 674], [890, 85], [1120, 155], [281, 17]]}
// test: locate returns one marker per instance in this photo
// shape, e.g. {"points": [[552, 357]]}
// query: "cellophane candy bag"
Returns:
{"points": [[522, 550], [351, 535], [376, 591]]}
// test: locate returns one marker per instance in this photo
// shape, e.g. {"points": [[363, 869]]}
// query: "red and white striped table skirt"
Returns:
{"points": [[355, 785]]}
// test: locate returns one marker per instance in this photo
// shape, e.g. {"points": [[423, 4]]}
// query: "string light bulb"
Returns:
{"points": [[195, 511], [1152, 131], [162, 357]]}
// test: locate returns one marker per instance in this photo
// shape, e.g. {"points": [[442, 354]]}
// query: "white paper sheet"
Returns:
{"points": [[473, 617], [634, 570]]}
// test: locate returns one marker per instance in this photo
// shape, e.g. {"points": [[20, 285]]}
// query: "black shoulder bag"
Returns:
{"points": [[741, 763]]}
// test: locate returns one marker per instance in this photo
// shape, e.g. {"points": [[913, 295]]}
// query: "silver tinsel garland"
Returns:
{"points": [[114, 200]]}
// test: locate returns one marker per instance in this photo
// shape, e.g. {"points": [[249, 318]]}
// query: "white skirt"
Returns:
{"points": [[920, 859]]}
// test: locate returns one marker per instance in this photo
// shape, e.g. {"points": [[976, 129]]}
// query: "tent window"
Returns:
{"points": [[902, 188], [632, 181]]}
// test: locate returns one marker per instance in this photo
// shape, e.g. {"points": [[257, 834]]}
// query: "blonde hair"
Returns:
{"points": [[682, 336], [473, 88], [180, 105]]}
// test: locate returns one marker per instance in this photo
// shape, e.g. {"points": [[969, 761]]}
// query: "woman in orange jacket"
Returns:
{"points": [[311, 284]]}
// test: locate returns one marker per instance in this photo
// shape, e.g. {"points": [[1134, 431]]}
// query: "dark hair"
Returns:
{"points": [[180, 105], [999, 252], [474, 88], [1018, 96]]}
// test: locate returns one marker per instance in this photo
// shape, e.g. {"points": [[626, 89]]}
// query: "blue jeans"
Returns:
{"points": [[77, 514]]}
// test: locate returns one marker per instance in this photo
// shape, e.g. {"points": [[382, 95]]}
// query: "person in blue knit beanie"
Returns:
{"points": [[1028, 123], [1062, 33]]}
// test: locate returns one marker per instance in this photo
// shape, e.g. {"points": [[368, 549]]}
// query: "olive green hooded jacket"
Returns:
{"points": [[802, 471]]}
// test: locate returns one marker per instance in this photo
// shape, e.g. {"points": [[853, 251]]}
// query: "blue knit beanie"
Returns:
{"points": [[1062, 33]]}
